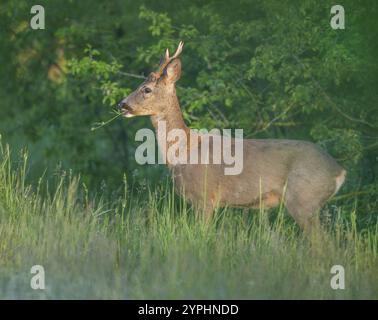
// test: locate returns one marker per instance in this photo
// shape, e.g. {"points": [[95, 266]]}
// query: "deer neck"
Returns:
{"points": [[170, 120], [172, 116]]}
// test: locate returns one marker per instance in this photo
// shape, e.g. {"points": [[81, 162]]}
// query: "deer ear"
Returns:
{"points": [[173, 71]]}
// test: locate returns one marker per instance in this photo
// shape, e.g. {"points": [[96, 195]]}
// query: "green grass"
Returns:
{"points": [[148, 245]]}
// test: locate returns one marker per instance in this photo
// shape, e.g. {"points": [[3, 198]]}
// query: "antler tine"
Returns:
{"points": [[179, 50], [168, 59]]}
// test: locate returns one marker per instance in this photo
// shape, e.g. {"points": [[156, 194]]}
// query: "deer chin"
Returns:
{"points": [[127, 112]]}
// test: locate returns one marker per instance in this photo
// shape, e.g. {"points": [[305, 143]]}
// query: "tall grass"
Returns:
{"points": [[151, 246]]}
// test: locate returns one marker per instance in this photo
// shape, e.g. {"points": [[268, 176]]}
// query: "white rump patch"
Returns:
{"points": [[340, 180]]}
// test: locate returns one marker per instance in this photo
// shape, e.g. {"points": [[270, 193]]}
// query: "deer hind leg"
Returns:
{"points": [[304, 216], [304, 197]]}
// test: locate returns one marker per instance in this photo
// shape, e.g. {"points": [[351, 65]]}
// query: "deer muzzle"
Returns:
{"points": [[125, 109]]}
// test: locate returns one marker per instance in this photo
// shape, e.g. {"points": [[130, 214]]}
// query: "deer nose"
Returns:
{"points": [[121, 105]]}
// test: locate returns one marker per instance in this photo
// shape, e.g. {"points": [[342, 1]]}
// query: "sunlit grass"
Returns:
{"points": [[149, 245]]}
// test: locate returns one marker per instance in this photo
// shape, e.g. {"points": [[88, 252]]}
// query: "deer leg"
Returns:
{"points": [[307, 219], [208, 212], [205, 210], [303, 201]]}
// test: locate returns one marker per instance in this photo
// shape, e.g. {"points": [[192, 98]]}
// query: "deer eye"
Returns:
{"points": [[147, 90]]}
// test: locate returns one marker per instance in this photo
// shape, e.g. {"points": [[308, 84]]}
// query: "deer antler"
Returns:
{"points": [[167, 59]]}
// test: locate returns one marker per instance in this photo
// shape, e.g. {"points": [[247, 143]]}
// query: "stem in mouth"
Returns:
{"points": [[99, 125]]}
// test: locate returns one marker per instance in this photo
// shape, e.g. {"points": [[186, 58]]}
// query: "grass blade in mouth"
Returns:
{"points": [[99, 125]]}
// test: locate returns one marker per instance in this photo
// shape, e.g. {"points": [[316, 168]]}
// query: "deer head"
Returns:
{"points": [[151, 97]]}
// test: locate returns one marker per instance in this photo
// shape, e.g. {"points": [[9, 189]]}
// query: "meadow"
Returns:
{"points": [[105, 227], [146, 244]]}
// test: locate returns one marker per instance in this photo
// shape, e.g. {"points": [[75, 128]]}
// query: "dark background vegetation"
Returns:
{"points": [[274, 68]]}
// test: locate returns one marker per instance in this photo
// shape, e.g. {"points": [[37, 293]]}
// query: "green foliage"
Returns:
{"points": [[101, 73], [275, 69]]}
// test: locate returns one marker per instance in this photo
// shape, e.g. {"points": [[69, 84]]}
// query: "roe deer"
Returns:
{"points": [[299, 173]]}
